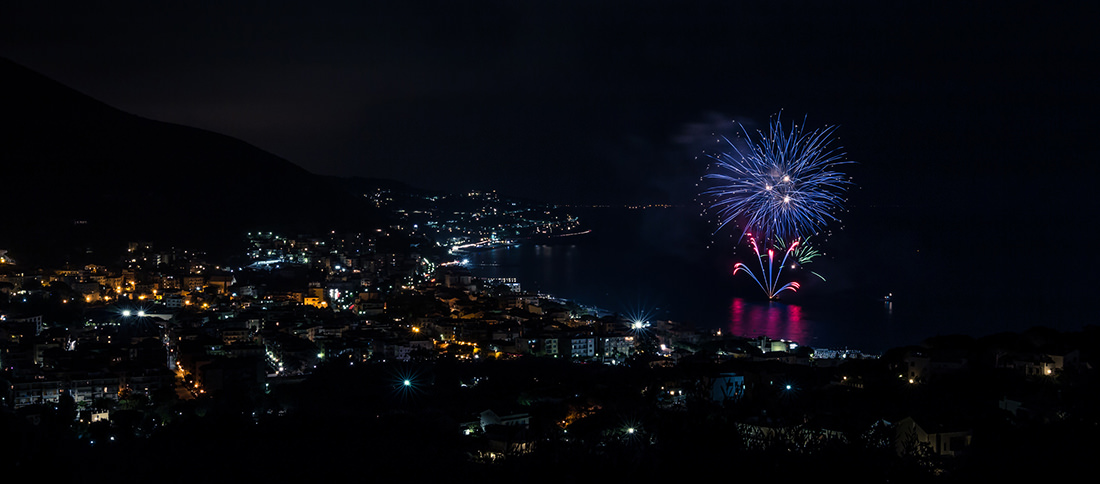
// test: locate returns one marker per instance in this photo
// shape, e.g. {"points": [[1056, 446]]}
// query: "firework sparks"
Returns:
{"points": [[769, 275], [802, 253], [782, 186]]}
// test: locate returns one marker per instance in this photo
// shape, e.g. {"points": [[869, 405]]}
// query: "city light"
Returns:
{"points": [[408, 383]]}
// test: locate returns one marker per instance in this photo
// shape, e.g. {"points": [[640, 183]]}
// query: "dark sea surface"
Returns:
{"points": [[947, 275]]}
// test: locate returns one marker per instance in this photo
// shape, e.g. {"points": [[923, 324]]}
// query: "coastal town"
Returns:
{"points": [[390, 323]]}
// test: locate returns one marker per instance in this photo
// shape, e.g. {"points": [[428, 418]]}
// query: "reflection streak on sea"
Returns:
{"points": [[774, 320]]}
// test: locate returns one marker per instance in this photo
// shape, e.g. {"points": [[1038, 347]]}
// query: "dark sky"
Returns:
{"points": [[988, 105]]}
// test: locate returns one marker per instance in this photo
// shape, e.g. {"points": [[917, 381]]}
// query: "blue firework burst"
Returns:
{"points": [[783, 185]]}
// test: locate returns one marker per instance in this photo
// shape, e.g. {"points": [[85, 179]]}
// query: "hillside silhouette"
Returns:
{"points": [[82, 177]]}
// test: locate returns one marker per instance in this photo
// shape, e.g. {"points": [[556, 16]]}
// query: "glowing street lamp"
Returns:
{"points": [[406, 383]]}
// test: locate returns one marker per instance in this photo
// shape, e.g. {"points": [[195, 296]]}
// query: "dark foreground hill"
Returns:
{"points": [[79, 175]]}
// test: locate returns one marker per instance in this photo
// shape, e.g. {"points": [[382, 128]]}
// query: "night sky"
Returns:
{"points": [[986, 107]]}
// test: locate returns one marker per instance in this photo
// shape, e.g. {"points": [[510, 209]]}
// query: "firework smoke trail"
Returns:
{"points": [[772, 280], [782, 186]]}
